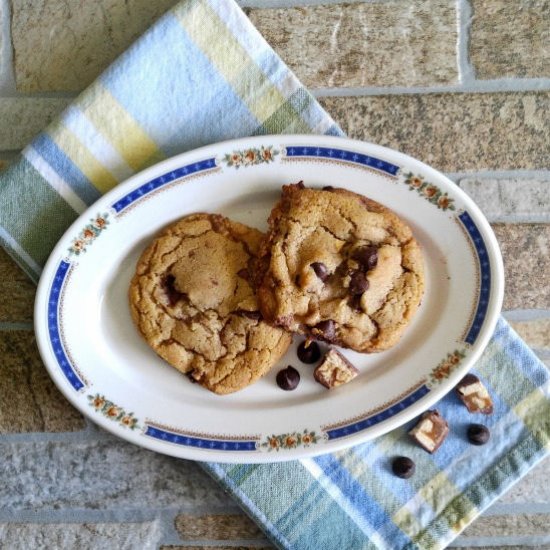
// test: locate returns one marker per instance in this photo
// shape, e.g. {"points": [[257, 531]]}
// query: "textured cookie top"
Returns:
{"points": [[339, 267], [193, 302]]}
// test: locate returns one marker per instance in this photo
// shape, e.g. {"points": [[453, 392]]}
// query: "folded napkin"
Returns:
{"points": [[200, 75]]}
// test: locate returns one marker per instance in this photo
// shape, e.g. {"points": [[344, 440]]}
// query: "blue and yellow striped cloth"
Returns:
{"points": [[200, 75]]}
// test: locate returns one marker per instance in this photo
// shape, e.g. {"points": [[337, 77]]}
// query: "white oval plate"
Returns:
{"points": [[96, 357]]}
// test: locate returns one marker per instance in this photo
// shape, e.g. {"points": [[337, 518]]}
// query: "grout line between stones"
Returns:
{"points": [[522, 315], [466, 73], [500, 174], [116, 515], [38, 95], [270, 4], [476, 86], [501, 542], [542, 354], [5, 326], [527, 508], [84, 435], [7, 77], [238, 544]]}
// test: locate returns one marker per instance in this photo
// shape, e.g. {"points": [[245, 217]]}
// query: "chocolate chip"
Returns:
{"points": [[478, 434], [243, 273], [328, 188], [301, 185], [358, 283], [355, 302], [309, 352], [288, 379], [367, 256], [403, 467], [320, 270], [254, 315], [171, 292], [468, 379], [326, 330]]}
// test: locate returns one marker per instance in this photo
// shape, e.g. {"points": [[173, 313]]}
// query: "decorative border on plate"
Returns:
{"points": [[161, 181], [224, 437], [112, 411], [378, 409], [373, 419], [291, 440], [54, 322], [250, 157], [207, 442], [341, 155], [89, 234], [428, 191], [475, 298], [446, 367], [485, 277]]}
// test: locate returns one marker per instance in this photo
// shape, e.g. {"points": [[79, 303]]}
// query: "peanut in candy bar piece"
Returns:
{"points": [[474, 395], [335, 370], [430, 431]]}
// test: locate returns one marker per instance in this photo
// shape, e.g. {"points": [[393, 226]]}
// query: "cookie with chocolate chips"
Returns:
{"points": [[192, 300], [339, 267]]}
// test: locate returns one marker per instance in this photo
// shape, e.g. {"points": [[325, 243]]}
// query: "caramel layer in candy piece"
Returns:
{"points": [[335, 370], [430, 431], [474, 395]]}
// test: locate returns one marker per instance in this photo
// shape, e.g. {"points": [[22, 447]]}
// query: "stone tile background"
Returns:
{"points": [[461, 84]]}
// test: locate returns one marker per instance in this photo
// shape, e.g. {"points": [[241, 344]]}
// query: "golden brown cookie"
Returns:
{"points": [[192, 300], [339, 267]]}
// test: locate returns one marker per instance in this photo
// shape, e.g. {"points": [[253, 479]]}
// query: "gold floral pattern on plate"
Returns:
{"points": [[96, 226], [251, 157], [428, 191], [290, 440], [113, 412], [446, 367]]}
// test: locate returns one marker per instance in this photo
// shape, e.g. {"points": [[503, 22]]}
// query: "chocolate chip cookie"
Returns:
{"points": [[193, 302], [339, 267]]}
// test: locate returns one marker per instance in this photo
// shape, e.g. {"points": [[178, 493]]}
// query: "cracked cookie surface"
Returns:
{"points": [[192, 300], [339, 267]]}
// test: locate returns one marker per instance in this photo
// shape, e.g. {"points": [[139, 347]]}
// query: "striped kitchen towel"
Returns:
{"points": [[200, 75]]}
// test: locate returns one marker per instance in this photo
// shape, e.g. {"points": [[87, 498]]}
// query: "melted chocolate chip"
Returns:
{"points": [[254, 315], [367, 256], [309, 352], [243, 273], [320, 270], [358, 283], [171, 292], [478, 434], [403, 467], [326, 330], [328, 188], [355, 302], [301, 185], [288, 379]]}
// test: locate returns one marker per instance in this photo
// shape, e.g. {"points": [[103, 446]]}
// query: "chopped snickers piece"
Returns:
{"points": [[335, 370], [474, 395], [430, 431]]}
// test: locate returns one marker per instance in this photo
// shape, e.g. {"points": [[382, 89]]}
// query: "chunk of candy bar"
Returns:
{"points": [[335, 370], [474, 395], [430, 431]]}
